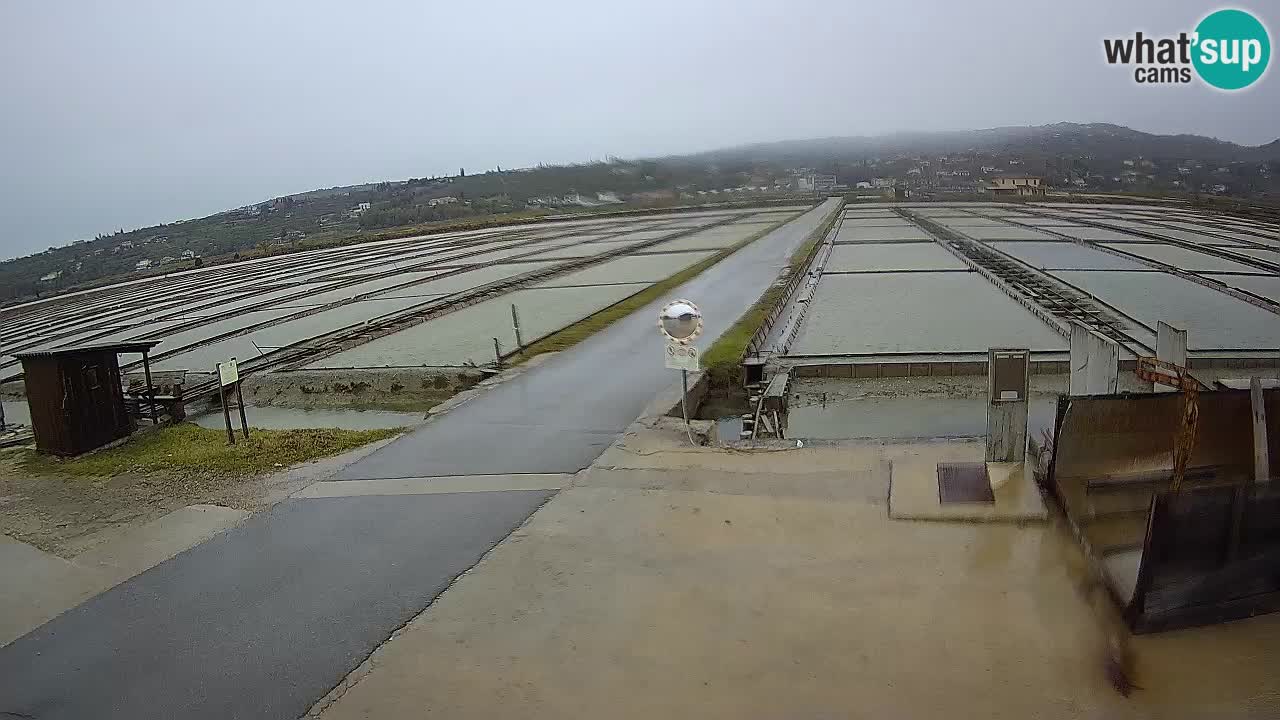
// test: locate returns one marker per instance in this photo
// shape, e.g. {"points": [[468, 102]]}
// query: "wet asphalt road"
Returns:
{"points": [[560, 416], [262, 620]]}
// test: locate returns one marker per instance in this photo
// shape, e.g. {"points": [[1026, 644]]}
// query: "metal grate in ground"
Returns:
{"points": [[964, 483]]}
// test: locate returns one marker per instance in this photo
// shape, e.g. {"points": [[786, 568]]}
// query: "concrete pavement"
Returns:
{"points": [[671, 582], [263, 619]]}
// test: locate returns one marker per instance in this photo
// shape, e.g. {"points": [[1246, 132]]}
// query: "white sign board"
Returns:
{"points": [[1171, 346], [1095, 362], [682, 357], [228, 372]]}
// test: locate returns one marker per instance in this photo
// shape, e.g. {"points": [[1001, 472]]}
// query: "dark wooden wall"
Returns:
{"points": [[76, 402]]}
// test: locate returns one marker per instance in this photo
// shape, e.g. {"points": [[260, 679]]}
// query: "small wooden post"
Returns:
{"points": [[1261, 454], [222, 399], [1261, 467], [151, 389], [244, 422], [227, 415], [515, 324], [497, 354]]}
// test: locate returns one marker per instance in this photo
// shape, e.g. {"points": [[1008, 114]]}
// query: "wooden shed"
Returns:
{"points": [[75, 396]]}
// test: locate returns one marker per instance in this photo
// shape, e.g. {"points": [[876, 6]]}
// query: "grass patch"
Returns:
{"points": [[573, 334], [723, 360], [186, 448]]}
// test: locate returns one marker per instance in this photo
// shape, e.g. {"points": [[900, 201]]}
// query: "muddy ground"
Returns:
{"points": [[68, 514], [63, 514]]}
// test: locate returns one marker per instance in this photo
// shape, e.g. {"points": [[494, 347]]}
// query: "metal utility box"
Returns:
{"points": [[1008, 375], [1008, 387], [75, 396]]}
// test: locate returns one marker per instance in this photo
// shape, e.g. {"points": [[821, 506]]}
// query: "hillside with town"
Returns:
{"points": [[1021, 162]]}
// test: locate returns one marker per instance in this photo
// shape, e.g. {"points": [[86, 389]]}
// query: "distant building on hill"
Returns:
{"points": [[816, 182], [1017, 186]]}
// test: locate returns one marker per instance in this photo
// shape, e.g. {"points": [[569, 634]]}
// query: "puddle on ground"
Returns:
{"points": [[270, 417], [904, 418], [844, 409]]}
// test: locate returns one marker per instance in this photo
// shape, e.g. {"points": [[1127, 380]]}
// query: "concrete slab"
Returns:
{"points": [[137, 549], [51, 585], [913, 490], [38, 587], [762, 585]]}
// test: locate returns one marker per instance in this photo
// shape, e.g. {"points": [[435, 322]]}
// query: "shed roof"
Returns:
{"points": [[123, 347]]}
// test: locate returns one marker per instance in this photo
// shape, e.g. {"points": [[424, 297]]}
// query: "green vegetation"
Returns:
{"points": [[361, 213], [186, 449], [585, 328], [723, 360]]}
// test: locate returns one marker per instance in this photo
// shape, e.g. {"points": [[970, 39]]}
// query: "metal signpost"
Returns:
{"points": [[680, 322], [229, 376]]}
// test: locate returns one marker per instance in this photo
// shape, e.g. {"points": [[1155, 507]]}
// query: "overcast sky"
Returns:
{"points": [[128, 113]]}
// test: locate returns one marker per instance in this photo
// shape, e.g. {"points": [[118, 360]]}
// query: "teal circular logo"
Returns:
{"points": [[1231, 49]]}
